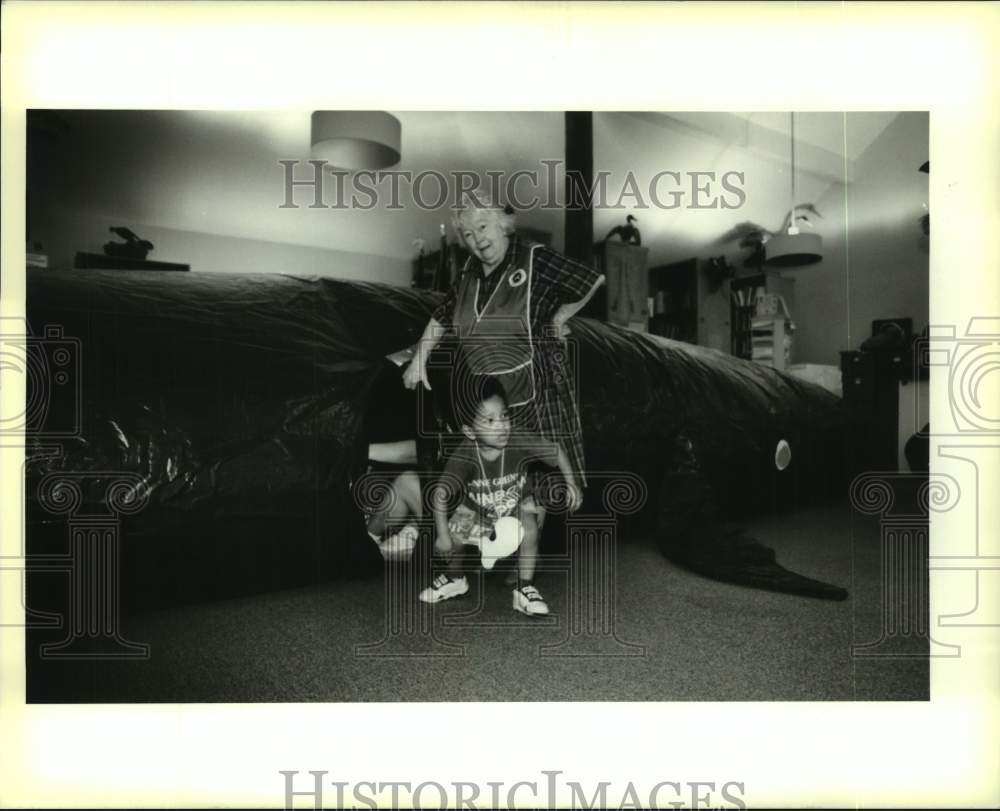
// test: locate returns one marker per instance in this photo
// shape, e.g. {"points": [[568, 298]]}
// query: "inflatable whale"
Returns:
{"points": [[236, 407]]}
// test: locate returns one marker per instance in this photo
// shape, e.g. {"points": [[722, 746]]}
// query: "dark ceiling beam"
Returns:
{"points": [[579, 228]]}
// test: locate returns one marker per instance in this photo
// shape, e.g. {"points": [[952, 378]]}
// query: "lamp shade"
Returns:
{"points": [[355, 139], [793, 250]]}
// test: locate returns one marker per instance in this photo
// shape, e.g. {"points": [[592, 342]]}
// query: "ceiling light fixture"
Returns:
{"points": [[356, 139], [792, 248]]}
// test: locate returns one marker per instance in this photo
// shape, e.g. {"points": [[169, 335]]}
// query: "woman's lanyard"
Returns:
{"points": [[489, 300]]}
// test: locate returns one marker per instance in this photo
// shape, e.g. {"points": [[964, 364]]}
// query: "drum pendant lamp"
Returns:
{"points": [[355, 139], [792, 248]]}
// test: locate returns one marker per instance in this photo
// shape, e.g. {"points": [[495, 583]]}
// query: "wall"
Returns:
{"points": [[204, 191], [645, 144], [859, 169], [66, 232], [876, 261], [206, 187]]}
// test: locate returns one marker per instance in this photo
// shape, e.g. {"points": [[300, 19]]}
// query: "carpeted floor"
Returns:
{"points": [[673, 636]]}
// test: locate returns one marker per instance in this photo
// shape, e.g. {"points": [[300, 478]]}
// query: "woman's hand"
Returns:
{"points": [[416, 373]]}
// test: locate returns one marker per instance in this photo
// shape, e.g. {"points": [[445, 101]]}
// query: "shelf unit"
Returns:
{"points": [[623, 296], [748, 288], [99, 261], [686, 307], [771, 341]]}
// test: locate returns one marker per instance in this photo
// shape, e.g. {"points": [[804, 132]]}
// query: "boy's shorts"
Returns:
{"points": [[467, 527]]}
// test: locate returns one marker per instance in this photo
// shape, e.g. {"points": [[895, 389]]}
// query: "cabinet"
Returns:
{"points": [[686, 307], [871, 400], [623, 297]]}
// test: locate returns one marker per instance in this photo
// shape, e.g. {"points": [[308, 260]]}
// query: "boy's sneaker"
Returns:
{"points": [[527, 600], [444, 587]]}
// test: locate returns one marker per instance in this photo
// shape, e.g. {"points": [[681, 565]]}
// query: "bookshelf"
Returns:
{"points": [[771, 341], [685, 306], [761, 307]]}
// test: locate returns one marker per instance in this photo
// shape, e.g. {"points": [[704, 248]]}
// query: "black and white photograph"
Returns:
{"points": [[441, 426], [634, 355]]}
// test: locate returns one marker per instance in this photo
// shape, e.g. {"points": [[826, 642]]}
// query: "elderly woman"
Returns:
{"points": [[508, 309]]}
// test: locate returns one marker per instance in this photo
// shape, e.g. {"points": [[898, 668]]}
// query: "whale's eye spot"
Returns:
{"points": [[782, 454]]}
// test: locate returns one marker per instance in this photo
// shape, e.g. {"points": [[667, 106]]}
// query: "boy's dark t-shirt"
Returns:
{"points": [[494, 488]]}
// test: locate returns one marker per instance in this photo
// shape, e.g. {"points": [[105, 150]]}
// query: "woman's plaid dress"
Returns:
{"points": [[555, 280]]}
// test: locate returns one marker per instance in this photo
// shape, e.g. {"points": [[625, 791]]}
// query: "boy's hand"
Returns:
{"points": [[574, 497], [443, 544]]}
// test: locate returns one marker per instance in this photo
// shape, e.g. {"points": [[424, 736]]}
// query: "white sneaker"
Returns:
{"points": [[400, 546], [527, 600], [444, 587]]}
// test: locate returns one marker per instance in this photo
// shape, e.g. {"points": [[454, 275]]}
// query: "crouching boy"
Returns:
{"points": [[488, 476]]}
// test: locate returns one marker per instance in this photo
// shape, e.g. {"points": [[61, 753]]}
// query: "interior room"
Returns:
{"points": [[782, 254]]}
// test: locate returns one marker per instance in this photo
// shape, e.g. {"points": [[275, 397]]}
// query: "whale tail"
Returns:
{"points": [[734, 557], [693, 534]]}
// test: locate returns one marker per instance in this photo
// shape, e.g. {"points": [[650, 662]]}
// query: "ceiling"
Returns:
{"points": [[218, 172]]}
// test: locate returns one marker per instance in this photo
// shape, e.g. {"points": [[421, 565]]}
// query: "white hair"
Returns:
{"points": [[478, 201]]}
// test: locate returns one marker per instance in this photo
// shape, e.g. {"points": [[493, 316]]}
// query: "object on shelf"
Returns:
{"points": [[132, 248], [771, 341], [438, 267], [628, 233], [442, 276], [889, 335], [925, 221], [35, 256], [771, 305], [418, 263]]}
